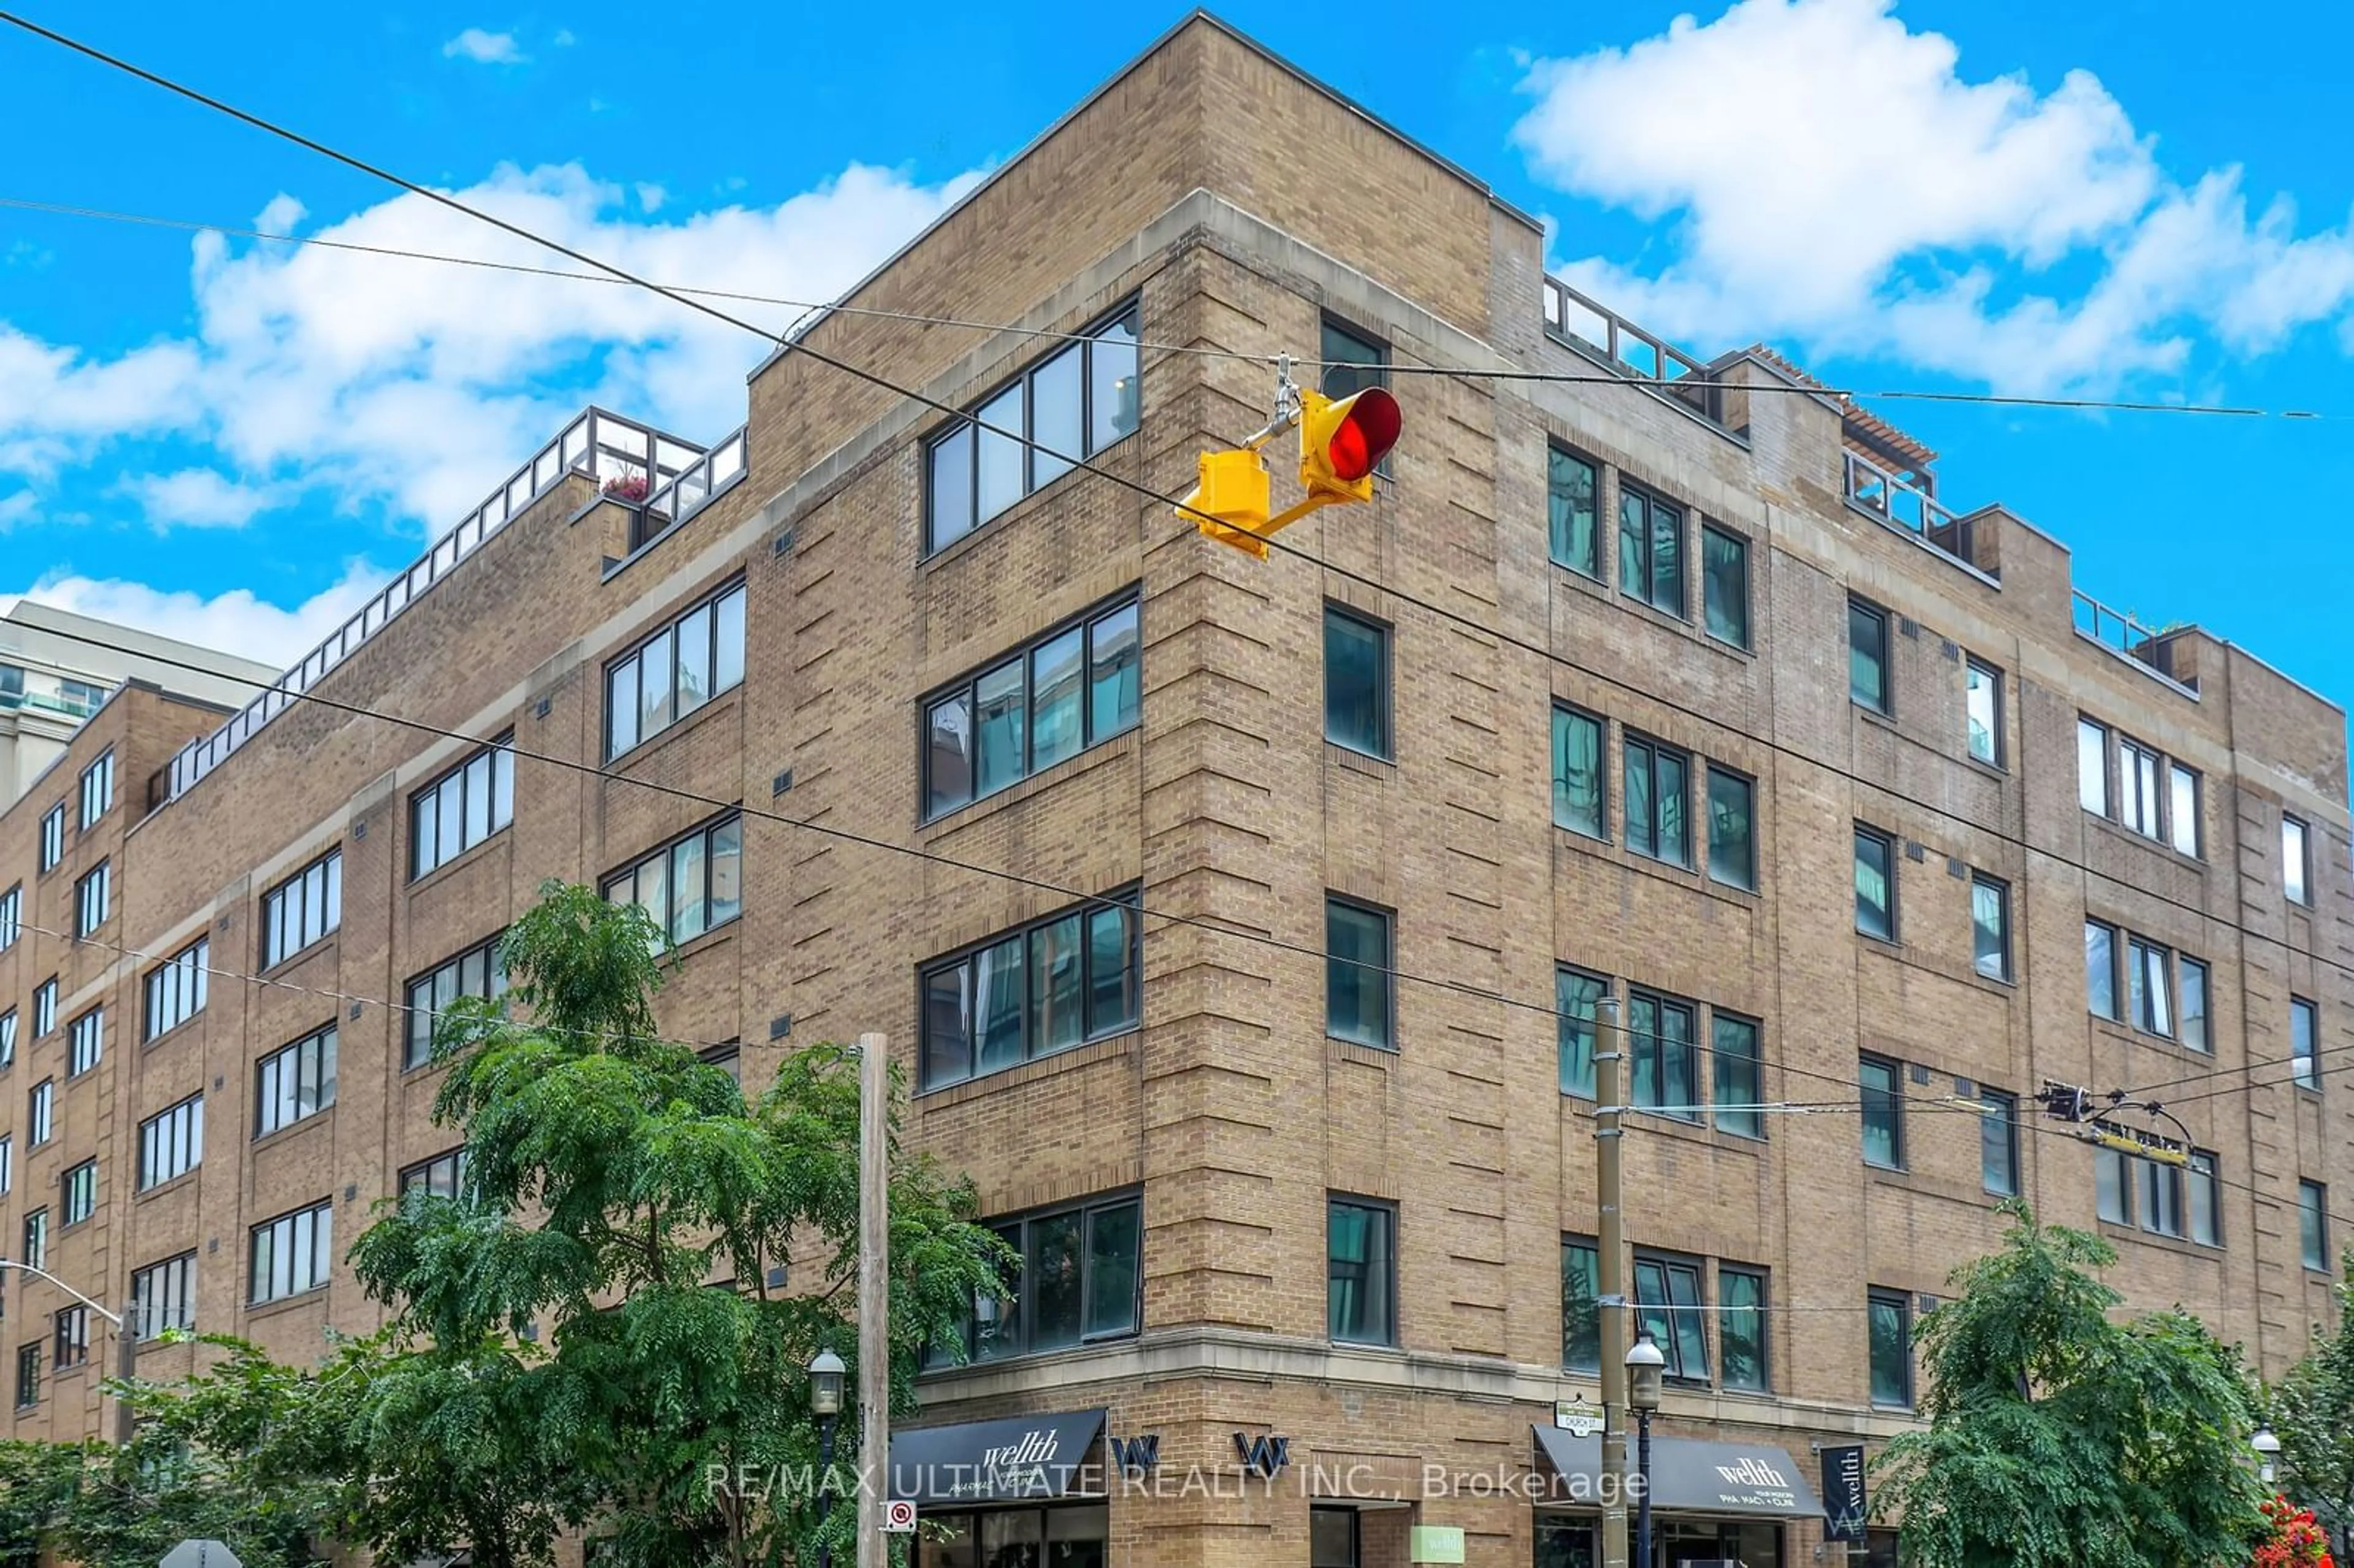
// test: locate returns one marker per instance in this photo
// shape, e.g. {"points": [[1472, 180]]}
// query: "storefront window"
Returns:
{"points": [[1332, 1538], [1072, 1536], [1564, 1543]]}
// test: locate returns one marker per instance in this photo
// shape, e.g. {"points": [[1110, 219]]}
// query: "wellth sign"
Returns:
{"points": [[1752, 1482]]}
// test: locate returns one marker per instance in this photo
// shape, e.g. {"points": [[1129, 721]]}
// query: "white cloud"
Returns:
{"points": [[484, 47], [199, 498], [234, 623], [1833, 177], [564, 38]]}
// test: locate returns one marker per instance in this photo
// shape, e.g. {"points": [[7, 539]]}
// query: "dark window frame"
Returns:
{"points": [[29, 1376], [70, 1338], [1388, 922], [1388, 1211], [2313, 1225], [420, 1176], [1887, 843], [98, 786], [1892, 1098], [1740, 542], [1736, 1123], [1579, 1085], [418, 1052], [1558, 496], [78, 1183], [1654, 752], [176, 991], [2000, 1109], [1884, 656], [1571, 712], [1644, 544], [2004, 971], [2301, 895], [1384, 696], [171, 1142], [2303, 1073], [1676, 1347], [1592, 1249], [1710, 773], [146, 1309], [1652, 1044], [1127, 898], [85, 1042], [330, 869], [1089, 1212], [322, 1215], [321, 1046], [53, 838], [709, 831], [426, 798], [95, 885], [707, 604], [1997, 751], [1877, 1298], [1762, 1317]]}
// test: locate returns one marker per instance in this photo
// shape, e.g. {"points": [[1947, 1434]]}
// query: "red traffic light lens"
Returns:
{"points": [[1364, 435]]}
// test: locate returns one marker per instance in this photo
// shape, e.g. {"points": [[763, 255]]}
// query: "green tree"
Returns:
{"points": [[610, 1178], [2312, 1412], [2059, 1437]]}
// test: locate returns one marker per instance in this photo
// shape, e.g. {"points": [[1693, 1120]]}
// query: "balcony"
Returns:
{"points": [[2121, 634], [690, 490], [603, 446], [1601, 333], [1910, 510]]}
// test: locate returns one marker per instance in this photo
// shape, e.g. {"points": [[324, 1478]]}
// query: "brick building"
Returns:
{"points": [[1698, 697]]}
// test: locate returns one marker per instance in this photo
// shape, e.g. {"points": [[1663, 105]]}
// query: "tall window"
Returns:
{"points": [[1884, 1113], [1875, 884], [1741, 1309], [673, 674], [12, 916], [2154, 795], [1357, 989], [1724, 586], [1658, 793], [690, 885], [443, 1176], [97, 789], [2313, 1224], [7, 1163], [2101, 968], [1651, 550], [2113, 1184], [176, 987], [1072, 977], [2192, 1013], [8, 1038], [1998, 1143], [82, 1192], [1737, 1080], [172, 1142], [462, 808], [476, 973], [29, 1376], [302, 909], [1579, 782], [1072, 405], [2182, 808], [1353, 362], [1667, 1303], [2138, 801], [39, 1105], [2304, 1031], [1576, 995], [73, 1337], [45, 1006], [85, 1042], [1867, 655], [1076, 686], [1659, 1047], [1580, 1309], [296, 1083], [1891, 1313], [163, 1297], [1361, 1271], [53, 836], [1990, 925], [2148, 986], [1080, 1281], [1571, 487], [2294, 860], [1732, 828], [1982, 707], [2206, 1207], [2092, 767], [36, 1254], [94, 898], [292, 1252], [1356, 683]]}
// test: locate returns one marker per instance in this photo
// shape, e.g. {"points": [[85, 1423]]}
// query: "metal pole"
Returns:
{"points": [[825, 1485], [1643, 1502], [873, 1303], [126, 1367], [1609, 1062]]}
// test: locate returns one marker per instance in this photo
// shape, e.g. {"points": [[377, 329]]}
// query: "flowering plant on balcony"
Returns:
{"points": [[2295, 1542], [629, 487]]}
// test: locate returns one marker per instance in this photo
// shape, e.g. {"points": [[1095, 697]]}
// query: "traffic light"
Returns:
{"points": [[1340, 444]]}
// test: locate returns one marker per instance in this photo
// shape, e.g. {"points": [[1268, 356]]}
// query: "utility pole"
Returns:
{"points": [[874, 1302], [1609, 1077], [126, 1346]]}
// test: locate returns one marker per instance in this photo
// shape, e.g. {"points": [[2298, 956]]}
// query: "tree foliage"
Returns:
{"points": [[2312, 1412], [2058, 1436]]}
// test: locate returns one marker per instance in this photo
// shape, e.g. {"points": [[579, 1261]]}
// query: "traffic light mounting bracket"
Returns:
{"points": [[1234, 488]]}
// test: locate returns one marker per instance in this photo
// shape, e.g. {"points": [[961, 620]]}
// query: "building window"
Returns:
{"points": [[2154, 796], [97, 789], [1581, 1310], [674, 673], [476, 973], [1667, 1303], [2101, 968], [2137, 797], [1357, 989], [1580, 790], [1724, 586], [1660, 1046], [35, 1253], [296, 1083], [2092, 767], [2112, 1186], [1892, 1349], [2158, 1195], [1732, 828], [2147, 969], [38, 1108], [1572, 488], [2313, 1224], [12, 916], [2304, 1032], [2206, 1208], [443, 1176], [85, 1042], [176, 988], [690, 885], [8, 1038], [1651, 550], [2294, 861], [302, 909], [1998, 1143], [1076, 687], [2191, 1015], [163, 1297], [53, 837], [1658, 801], [1867, 655], [93, 899], [292, 1252], [2182, 808], [1073, 405], [1884, 1113], [1080, 1281], [1737, 1080], [82, 1192], [728, 1058], [463, 808], [1361, 1272], [1990, 925], [1875, 884], [1356, 683], [71, 1339], [1334, 1539], [172, 1142], [7, 1164], [1072, 977], [28, 1376], [45, 1006], [1741, 1336], [1353, 362], [1576, 996], [2165, 992], [1982, 705]]}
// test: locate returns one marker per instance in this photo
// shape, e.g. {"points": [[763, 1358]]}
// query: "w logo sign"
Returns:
{"points": [[1263, 1456], [1136, 1455]]}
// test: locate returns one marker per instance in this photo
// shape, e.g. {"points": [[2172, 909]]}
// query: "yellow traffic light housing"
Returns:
{"points": [[1340, 443], [1233, 490]]}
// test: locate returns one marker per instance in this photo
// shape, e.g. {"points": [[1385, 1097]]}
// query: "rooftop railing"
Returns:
{"points": [[2121, 633], [1910, 508], [1630, 351], [696, 486], [601, 445]]}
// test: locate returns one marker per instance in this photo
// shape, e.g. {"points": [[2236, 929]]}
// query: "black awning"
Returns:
{"points": [[1688, 1476], [1022, 1458]]}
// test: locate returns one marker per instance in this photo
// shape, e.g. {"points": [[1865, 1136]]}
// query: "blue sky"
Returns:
{"points": [[234, 440]]}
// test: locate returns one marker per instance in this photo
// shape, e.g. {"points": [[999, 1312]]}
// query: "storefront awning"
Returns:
{"points": [[1021, 1458], [1755, 1480]]}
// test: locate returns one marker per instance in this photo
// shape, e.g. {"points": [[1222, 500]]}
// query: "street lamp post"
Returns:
{"points": [[1645, 1365], [126, 1348], [2267, 1448], [825, 1373]]}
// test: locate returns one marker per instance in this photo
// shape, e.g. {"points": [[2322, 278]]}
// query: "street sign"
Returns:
{"points": [[1577, 1416], [200, 1555], [899, 1516]]}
